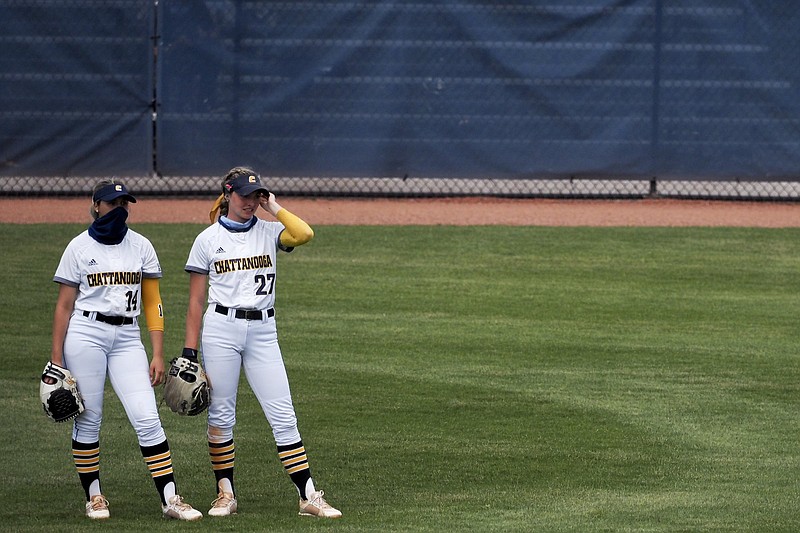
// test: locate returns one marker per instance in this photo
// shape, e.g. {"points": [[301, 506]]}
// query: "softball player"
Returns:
{"points": [[106, 276], [232, 267]]}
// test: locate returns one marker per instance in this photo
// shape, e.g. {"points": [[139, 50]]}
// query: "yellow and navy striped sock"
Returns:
{"points": [[87, 462], [294, 460], [159, 461], [222, 459]]}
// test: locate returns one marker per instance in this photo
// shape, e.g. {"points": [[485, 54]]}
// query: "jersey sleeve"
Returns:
{"points": [[151, 268], [198, 261], [68, 271], [275, 229]]}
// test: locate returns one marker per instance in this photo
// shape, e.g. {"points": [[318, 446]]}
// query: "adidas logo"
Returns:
{"points": [[220, 250], [92, 263]]}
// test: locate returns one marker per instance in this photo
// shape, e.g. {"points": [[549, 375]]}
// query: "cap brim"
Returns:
{"points": [[249, 189], [112, 197]]}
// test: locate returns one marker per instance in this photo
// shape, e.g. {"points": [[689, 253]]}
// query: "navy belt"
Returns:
{"points": [[113, 320], [246, 314]]}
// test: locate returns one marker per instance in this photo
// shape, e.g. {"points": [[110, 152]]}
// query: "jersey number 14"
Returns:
{"points": [[133, 300]]}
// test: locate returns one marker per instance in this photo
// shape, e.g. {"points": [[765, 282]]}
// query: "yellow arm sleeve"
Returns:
{"points": [[151, 302], [297, 232]]}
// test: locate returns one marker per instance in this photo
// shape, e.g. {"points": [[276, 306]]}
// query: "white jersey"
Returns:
{"points": [[240, 265], [108, 277]]}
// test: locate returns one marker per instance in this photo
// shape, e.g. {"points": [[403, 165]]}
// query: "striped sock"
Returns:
{"points": [[159, 461], [294, 460], [222, 458], [86, 457]]}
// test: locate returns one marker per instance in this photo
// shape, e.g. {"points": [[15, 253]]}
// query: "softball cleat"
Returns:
{"points": [[317, 506], [180, 510], [97, 508], [224, 505]]}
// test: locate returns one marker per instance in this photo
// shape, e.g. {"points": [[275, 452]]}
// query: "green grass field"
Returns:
{"points": [[463, 379]]}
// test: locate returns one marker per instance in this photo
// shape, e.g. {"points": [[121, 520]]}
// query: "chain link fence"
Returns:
{"points": [[188, 186]]}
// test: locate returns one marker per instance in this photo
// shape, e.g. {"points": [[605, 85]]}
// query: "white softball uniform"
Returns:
{"points": [[239, 327], [109, 282]]}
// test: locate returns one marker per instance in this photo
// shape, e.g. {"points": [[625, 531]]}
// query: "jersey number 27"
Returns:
{"points": [[263, 281]]}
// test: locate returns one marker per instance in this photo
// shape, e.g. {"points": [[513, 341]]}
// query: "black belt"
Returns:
{"points": [[113, 320], [246, 314]]}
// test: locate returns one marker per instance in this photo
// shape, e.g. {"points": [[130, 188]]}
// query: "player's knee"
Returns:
{"points": [[218, 434], [86, 431], [286, 436], [87, 427], [150, 432]]}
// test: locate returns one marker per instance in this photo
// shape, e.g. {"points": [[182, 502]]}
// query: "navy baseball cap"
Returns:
{"points": [[245, 184], [112, 191]]}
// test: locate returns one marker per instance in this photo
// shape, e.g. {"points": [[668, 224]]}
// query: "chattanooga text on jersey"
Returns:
{"points": [[113, 278], [242, 263]]}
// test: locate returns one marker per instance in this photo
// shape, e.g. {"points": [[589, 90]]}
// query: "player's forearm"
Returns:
{"points": [[157, 342], [194, 313], [63, 310], [59, 334], [194, 320]]}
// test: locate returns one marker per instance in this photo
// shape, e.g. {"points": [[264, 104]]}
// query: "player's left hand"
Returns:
{"points": [[157, 373], [265, 198], [268, 203]]}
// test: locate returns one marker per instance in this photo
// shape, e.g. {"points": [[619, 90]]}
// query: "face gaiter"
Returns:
{"points": [[111, 227]]}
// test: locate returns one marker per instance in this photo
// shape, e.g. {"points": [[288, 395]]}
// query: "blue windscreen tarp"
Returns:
{"points": [[77, 88], [640, 88], [631, 89]]}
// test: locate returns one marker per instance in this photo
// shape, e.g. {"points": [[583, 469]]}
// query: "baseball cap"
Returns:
{"points": [[245, 184], [112, 191]]}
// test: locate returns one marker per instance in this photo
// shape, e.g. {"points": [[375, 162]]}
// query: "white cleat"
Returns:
{"points": [[97, 508], [224, 505], [317, 506], [180, 510]]}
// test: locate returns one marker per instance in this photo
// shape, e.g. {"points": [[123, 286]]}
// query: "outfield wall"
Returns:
{"points": [[592, 98]]}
